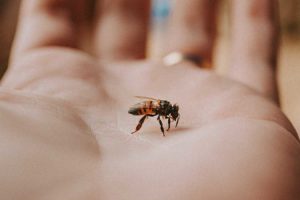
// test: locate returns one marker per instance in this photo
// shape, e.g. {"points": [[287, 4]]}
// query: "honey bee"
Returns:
{"points": [[154, 107]]}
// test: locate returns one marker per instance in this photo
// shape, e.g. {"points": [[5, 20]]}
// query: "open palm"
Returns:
{"points": [[64, 117]]}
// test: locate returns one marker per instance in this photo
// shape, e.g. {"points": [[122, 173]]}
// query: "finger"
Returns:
{"points": [[121, 29], [192, 28], [255, 43], [47, 23]]}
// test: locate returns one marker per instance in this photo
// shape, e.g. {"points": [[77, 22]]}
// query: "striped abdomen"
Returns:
{"points": [[144, 108]]}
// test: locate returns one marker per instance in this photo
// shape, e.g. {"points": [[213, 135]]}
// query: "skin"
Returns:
{"points": [[65, 130]]}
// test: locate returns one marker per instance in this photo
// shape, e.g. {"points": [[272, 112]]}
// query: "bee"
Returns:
{"points": [[155, 107]]}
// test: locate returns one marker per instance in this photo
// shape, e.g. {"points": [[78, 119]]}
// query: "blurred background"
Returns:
{"points": [[289, 59]]}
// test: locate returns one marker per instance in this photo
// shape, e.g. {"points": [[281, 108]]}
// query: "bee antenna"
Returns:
{"points": [[177, 120]]}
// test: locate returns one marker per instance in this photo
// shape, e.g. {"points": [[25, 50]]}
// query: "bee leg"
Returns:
{"points": [[169, 124], [139, 126], [161, 125]]}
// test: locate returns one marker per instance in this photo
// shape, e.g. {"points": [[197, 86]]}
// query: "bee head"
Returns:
{"points": [[175, 115]]}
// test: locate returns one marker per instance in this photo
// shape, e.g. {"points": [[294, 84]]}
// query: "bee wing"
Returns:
{"points": [[149, 98]]}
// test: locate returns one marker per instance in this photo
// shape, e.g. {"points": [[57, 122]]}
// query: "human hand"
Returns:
{"points": [[64, 112]]}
